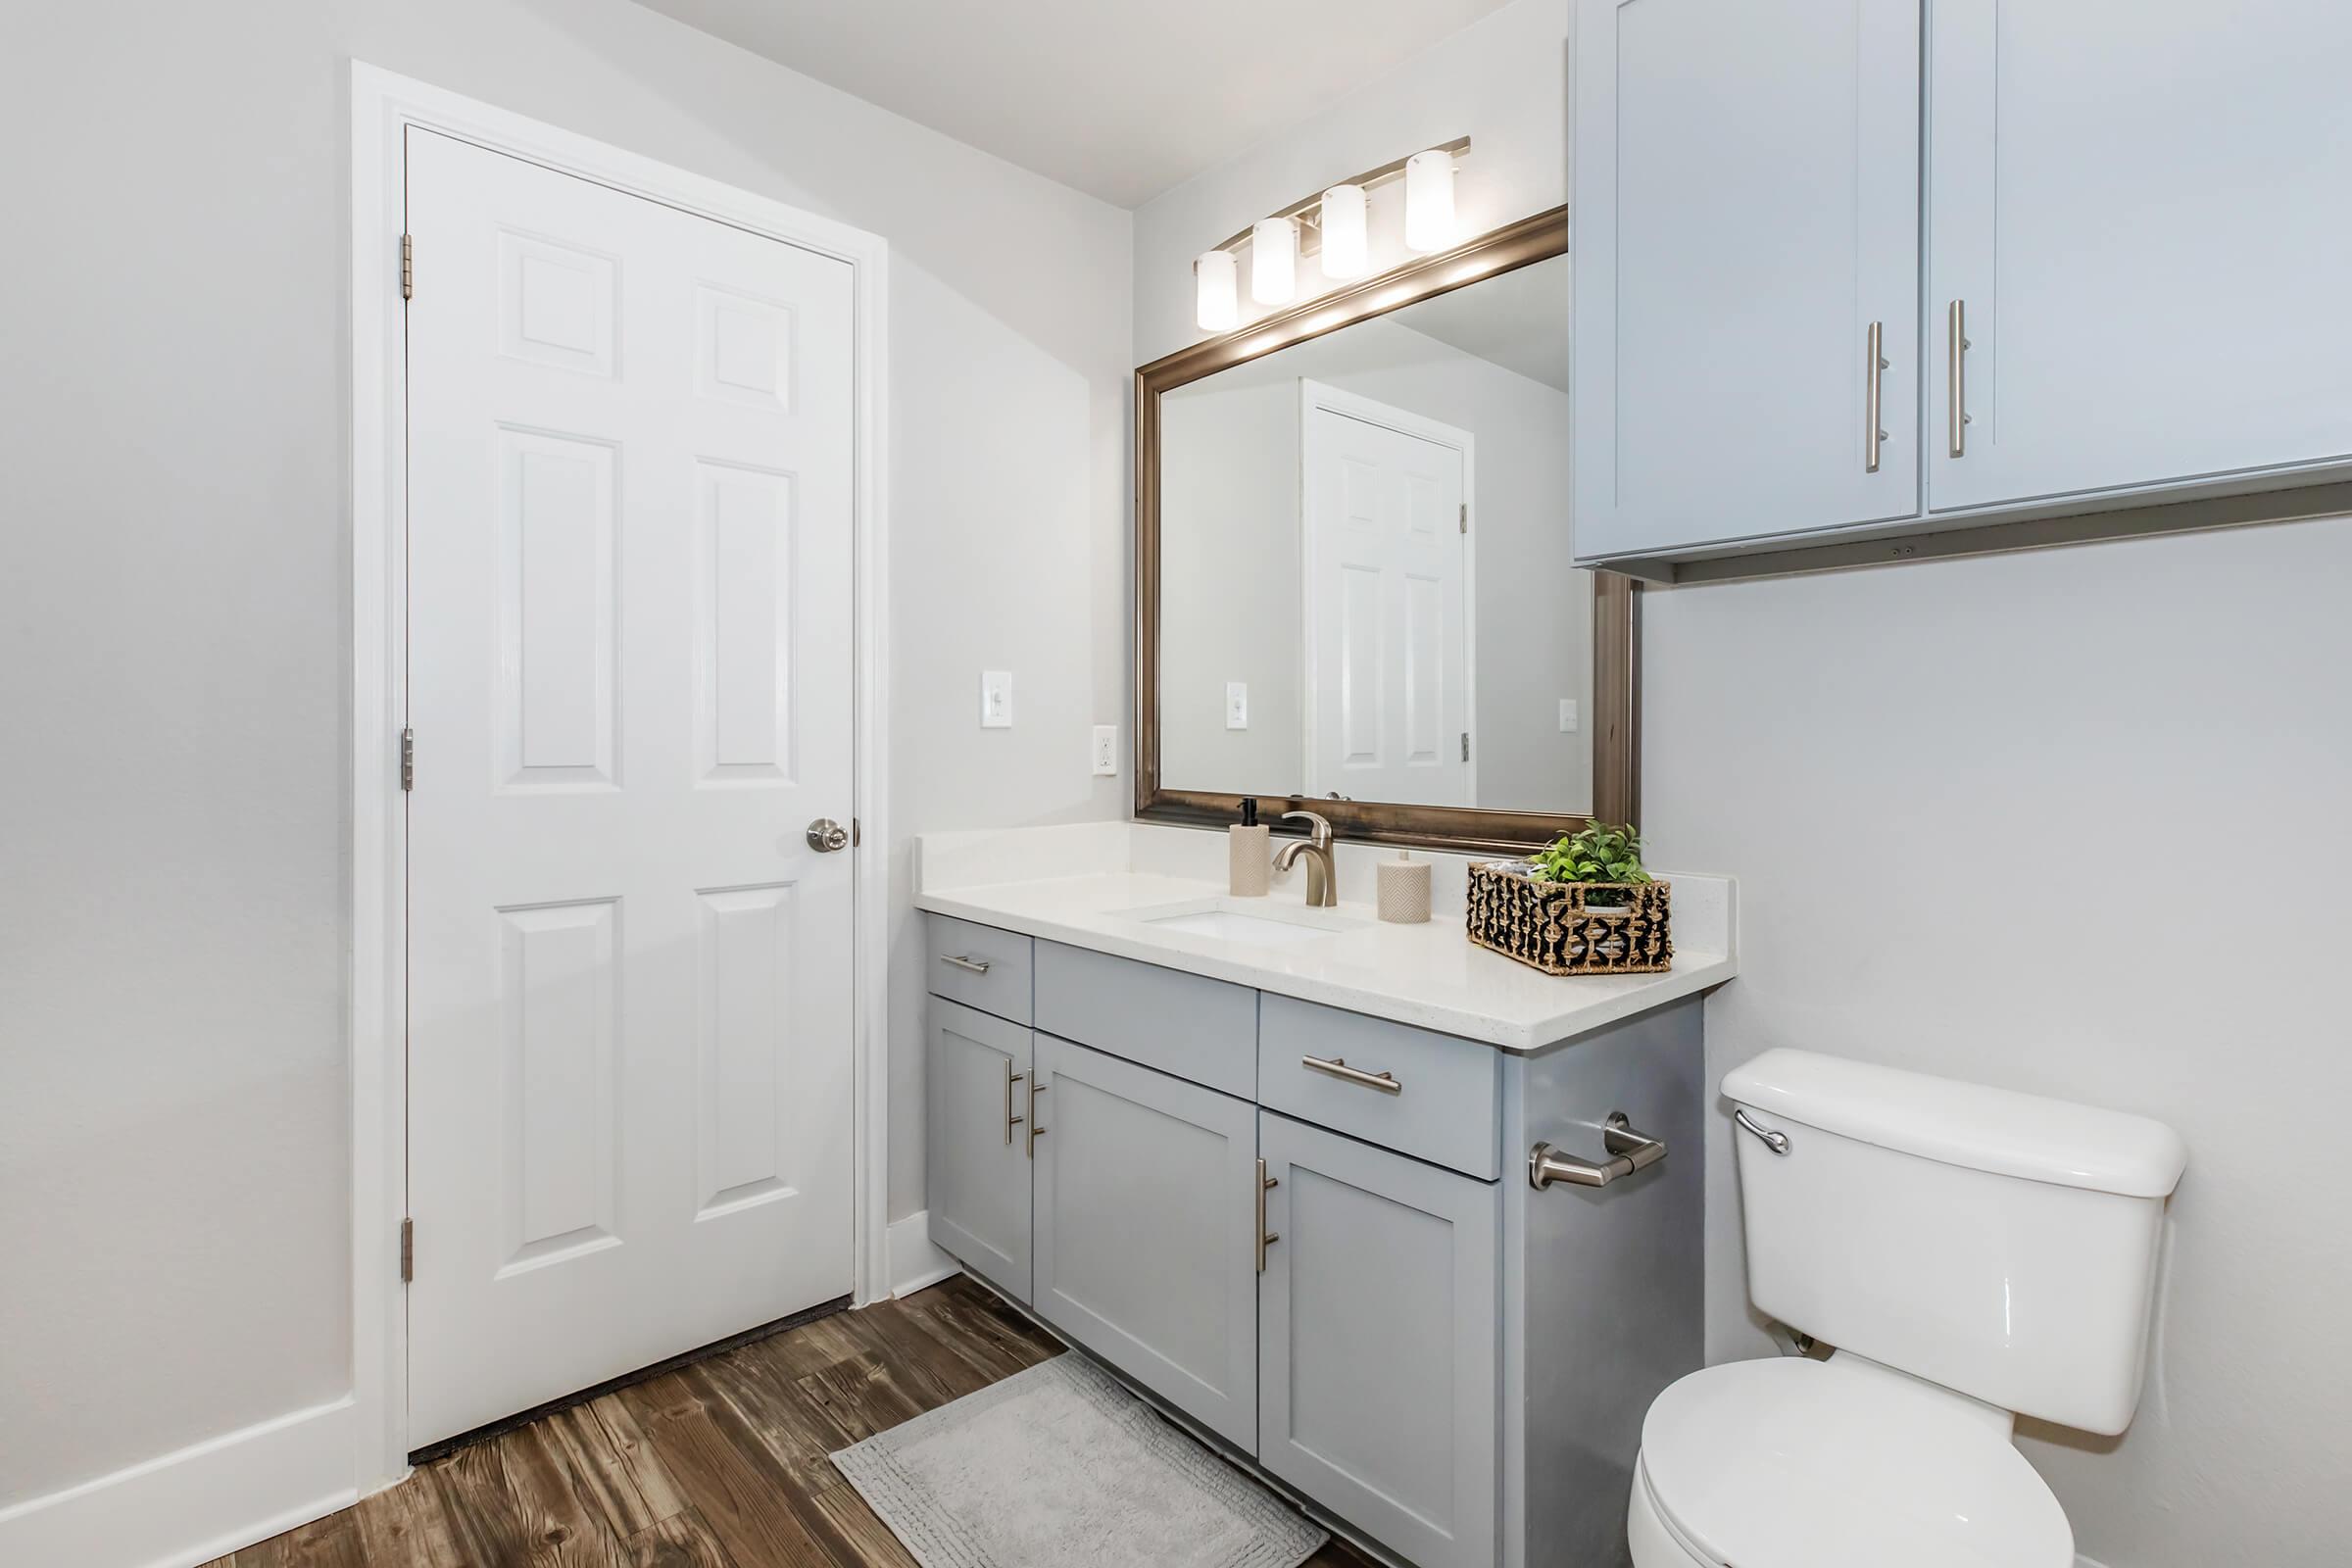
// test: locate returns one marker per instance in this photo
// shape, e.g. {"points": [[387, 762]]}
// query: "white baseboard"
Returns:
{"points": [[201, 1503], [913, 1261]]}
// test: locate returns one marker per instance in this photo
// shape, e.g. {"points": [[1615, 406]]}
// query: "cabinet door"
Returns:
{"points": [[1377, 1358], [1745, 206], [975, 1142], [2142, 208], [1147, 1228]]}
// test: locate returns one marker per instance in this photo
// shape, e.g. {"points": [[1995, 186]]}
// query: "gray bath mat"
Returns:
{"points": [[1059, 1467]]}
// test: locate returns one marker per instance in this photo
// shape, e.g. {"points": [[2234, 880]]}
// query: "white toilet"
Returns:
{"points": [[1973, 1254]]}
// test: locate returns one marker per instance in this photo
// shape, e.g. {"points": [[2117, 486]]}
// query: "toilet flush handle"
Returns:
{"points": [[1777, 1142]]}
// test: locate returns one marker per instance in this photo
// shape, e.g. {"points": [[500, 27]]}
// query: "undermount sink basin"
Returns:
{"points": [[1232, 920]]}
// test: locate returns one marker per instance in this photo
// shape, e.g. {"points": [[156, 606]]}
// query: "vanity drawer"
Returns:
{"points": [[1201, 1030], [978, 966], [1443, 1108]]}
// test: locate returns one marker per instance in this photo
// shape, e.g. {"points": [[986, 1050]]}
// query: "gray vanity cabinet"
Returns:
{"points": [[976, 1102], [1430, 1351], [1145, 1208], [1376, 1369]]}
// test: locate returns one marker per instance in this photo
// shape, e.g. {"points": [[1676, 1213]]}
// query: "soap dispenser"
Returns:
{"points": [[1249, 870]]}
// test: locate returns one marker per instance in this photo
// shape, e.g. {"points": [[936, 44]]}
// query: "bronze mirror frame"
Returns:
{"points": [[1616, 607]]}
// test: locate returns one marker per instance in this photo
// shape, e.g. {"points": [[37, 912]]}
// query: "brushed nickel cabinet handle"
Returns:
{"points": [[1010, 1120], [1037, 1087], [1629, 1152], [1957, 393], [968, 965], [1266, 1184], [1336, 1067], [1873, 374]]}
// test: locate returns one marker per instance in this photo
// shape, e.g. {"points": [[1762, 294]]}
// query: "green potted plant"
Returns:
{"points": [[1599, 854], [1582, 904]]}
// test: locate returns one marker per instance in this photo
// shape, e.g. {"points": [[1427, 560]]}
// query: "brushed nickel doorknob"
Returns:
{"points": [[826, 835]]}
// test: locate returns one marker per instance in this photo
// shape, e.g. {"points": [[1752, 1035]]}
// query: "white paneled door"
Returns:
{"points": [[1386, 496], [630, 684]]}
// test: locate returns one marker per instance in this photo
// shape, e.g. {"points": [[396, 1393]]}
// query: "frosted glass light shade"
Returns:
{"points": [[1216, 291], [1273, 260], [1346, 233], [1429, 201]]}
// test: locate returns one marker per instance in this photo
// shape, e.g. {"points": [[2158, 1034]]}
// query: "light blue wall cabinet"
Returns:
{"points": [[1377, 1364], [2138, 216], [976, 1098], [1146, 1203], [1745, 230], [2101, 250]]}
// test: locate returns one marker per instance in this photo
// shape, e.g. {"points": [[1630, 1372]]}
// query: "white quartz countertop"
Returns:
{"points": [[1096, 887]]}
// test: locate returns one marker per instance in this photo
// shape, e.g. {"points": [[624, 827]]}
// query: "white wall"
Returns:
{"points": [[2066, 821], [173, 639], [1230, 588]]}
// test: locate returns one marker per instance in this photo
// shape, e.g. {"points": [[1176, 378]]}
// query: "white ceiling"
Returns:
{"points": [[1121, 99]]}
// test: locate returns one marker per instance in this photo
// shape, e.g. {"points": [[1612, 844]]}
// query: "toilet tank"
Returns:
{"points": [[1999, 1244]]}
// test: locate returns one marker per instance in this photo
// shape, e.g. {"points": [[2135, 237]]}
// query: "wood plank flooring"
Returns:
{"points": [[720, 1464]]}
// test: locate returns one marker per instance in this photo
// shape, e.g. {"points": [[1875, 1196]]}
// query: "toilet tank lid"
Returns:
{"points": [[1971, 1125]]}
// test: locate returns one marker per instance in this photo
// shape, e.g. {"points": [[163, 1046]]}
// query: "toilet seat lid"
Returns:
{"points": [[1794, 1463]]}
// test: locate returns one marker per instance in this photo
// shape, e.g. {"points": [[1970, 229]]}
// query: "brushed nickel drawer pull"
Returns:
{"points": [[1037, 1087], [970, 966], [1010, 1120], [1266, 1184], [1873, 372], [1336, 1067], [1629, 1152], [1957, 392]]}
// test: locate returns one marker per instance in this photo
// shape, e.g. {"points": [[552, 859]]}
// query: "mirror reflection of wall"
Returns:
{"points": [[1327, 626]]}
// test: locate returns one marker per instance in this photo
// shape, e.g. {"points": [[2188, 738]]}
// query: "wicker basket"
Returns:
{"points": [[1552, 926]]}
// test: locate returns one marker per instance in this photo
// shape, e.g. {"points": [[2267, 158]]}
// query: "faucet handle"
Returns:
{"points": [[1318, 827]]}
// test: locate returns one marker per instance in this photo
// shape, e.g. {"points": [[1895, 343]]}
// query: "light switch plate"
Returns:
{"points": [[996, 699], [1236, 705], [1568, 716], [1107, 750]]}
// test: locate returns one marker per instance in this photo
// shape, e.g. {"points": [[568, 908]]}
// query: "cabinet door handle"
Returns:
{"points": [[1629, 1152], [1336, 1067], [1266, 1184], [1010, 1120], [1957, 393], [968, 965], [1037, 1087], [1873, 374]]}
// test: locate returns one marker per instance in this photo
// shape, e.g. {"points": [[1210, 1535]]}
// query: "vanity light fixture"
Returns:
{"points": [[1429, 200], [1274, 260], [1346, 233], [1335, 221], [1216, 291]]}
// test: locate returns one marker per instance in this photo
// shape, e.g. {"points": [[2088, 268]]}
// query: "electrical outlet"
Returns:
{"points": [[1107, 750], [1568, 716], [1236, 705], [996, 699]]}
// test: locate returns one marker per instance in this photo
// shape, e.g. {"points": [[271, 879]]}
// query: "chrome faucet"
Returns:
{"points": [[1322, 885]]}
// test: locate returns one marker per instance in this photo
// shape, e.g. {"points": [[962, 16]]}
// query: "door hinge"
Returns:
{"points": [[1465, 516], [408, 267], [408, 760], [407, 1250], [1465, 745]]}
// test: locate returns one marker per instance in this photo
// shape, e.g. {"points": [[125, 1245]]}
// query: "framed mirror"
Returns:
{"points": [[1353, 590]]}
